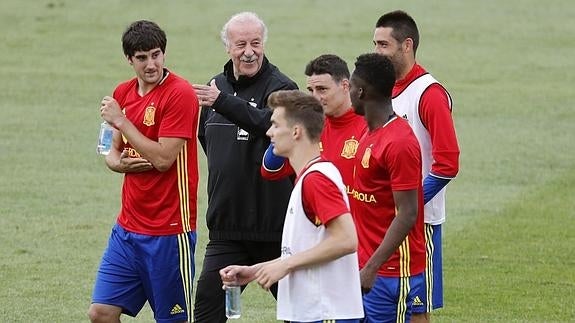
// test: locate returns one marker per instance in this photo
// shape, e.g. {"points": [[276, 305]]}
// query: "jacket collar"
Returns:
{"points": [[244, 80]]}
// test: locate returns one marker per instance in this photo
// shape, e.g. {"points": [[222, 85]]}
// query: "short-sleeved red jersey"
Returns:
{"points": [[339, 142], [388, 159], [321, 198], [153, 202]]}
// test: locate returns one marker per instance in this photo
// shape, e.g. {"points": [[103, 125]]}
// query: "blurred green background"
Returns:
{"points": [[509, 67]]}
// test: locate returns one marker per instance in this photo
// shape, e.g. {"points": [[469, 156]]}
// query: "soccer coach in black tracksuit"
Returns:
{"points": [[245, 213]]}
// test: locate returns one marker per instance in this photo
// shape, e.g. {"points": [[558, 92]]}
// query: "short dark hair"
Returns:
{"points": [[403, 26], [301, 108], [377, 71], [328, 64], [143, 35]]}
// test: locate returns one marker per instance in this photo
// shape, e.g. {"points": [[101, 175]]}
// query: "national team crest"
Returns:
{"points": [[349, 148], [365, 158], [149, 116]]}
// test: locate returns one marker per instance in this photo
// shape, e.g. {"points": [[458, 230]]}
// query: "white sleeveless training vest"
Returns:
{"points": [[327, 291], [406, 105]]}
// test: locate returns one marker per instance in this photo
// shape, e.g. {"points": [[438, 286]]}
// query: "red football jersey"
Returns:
{"points": [[339, 142], [388, 159], [321, 198], [153, 202]]}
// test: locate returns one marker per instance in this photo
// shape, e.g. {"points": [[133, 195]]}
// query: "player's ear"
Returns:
{"points": [[296, 131], [361, 93], [345, 84], [407, 45]]}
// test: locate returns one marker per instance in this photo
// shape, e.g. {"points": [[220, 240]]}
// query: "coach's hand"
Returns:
{"points": [[207, 94]]}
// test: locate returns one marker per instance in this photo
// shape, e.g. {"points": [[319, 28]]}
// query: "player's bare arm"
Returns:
{"points": [[341, 240], [241, 275], [119, 161], [122, 163], [406, 205], [237, 275], [161, 154]]}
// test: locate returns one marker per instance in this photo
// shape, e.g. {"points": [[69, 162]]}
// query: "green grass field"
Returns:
{"points": [[508, 65]]}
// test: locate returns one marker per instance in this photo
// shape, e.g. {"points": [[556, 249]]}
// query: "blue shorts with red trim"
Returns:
{"points": [[136, 268]]}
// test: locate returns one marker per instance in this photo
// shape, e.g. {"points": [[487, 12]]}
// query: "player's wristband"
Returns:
{"points": [[432, 185], [272, 162]]}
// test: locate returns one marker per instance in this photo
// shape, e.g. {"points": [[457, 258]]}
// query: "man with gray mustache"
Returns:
{"points": [[245, 213]]}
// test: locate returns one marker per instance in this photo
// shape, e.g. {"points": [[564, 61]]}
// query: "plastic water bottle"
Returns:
{"points": [[233, 302], [105, 138]]}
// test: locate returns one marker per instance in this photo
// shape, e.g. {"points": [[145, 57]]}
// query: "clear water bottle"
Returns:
{"points": [[105, 138], [233, 302]]}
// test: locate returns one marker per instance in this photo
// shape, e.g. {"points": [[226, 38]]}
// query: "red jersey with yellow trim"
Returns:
{"points": [[339, 141], [388, 159], [161, 203]]}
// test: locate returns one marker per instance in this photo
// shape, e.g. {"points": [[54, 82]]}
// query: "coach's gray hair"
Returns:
{"points": [[243, 17]]}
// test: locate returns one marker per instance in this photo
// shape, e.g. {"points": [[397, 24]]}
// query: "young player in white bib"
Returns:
{"points": [[318, 269]]}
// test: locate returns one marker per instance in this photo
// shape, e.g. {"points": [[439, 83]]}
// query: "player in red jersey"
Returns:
{"points": [[387, 200], [424, 102], [150, 253], [328, 81]]}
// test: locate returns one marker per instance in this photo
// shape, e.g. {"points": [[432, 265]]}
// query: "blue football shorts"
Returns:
{"points": [[332, 321], [433, 298], [136, 268], [393, 299]]}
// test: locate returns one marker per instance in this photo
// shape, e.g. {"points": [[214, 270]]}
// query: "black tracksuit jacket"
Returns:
{"points": [[241, 204]]}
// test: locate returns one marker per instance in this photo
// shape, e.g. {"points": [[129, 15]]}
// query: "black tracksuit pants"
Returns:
{"points": [[209, 304]]}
